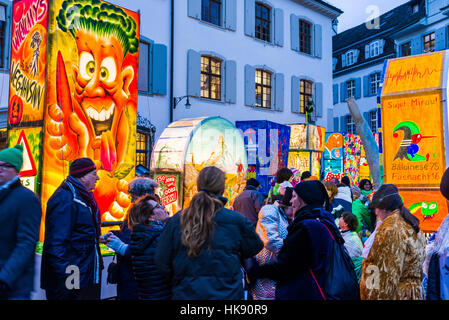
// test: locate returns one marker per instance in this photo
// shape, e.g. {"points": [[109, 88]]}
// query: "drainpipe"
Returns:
{"points": [[172, 43]]}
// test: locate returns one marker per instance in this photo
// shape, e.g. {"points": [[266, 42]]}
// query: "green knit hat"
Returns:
{"points": [[13, 156]]}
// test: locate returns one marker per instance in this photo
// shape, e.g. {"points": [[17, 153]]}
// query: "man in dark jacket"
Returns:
{"points": [[71, 257], [20, 219], [249, 201], [299, 269]]}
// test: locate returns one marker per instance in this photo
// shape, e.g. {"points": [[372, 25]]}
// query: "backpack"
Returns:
{"points": [[339, 277]]}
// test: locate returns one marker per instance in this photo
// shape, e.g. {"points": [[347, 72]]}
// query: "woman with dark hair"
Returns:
{"points": [[119, 241], [202, 246], [282, 175], [393, 269], [272, 230], [146, 220]]}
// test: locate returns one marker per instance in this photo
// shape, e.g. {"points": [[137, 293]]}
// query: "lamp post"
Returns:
{"points": [[177, 100]]}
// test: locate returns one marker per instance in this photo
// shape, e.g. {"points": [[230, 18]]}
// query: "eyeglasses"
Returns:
{"points": [[6, 166]]}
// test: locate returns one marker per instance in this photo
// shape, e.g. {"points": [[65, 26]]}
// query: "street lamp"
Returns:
{"points": [[177, 100]]}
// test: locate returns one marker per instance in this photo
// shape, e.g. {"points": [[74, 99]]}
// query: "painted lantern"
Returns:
{"points": [[73, 94], [342, 156], [414, 116], [306, 147], [189, 145], [267, 145]]}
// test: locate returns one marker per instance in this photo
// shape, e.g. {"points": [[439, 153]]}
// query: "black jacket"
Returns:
{"points": [[20, 219], [151, 283], [126, 284], [306, 248], [71, 239], [216, 272]]}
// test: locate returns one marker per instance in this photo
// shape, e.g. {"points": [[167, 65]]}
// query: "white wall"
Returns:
{"points": [[235, 45]]}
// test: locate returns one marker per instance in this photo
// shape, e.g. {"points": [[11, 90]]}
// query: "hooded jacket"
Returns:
{"points": [[151, 283], [342, 202], [216, 272]]}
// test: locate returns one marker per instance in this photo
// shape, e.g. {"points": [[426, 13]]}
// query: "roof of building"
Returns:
{"points": [[393, 20], [322, 7]]}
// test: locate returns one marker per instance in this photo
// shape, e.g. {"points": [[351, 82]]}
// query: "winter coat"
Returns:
{"points": [[249, 203], [306, 249], [151, 283], [215, 273], [363, 215], [71, 239], [395, 261], [438, 278], [126, 285], [272, 230], [353, 244], [20, 219], [342, 202]]}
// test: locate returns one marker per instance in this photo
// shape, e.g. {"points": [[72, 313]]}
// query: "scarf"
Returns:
{"points": [[88, 197]]}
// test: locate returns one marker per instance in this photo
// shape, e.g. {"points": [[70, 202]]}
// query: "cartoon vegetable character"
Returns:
{"points": [[95, 119], [428, 209]]}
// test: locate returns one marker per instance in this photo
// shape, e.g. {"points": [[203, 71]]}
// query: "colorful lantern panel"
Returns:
{"points": [[267, 145], [196, 144]]}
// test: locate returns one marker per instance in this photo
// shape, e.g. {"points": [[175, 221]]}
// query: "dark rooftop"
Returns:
{"points": [[393, 20]]}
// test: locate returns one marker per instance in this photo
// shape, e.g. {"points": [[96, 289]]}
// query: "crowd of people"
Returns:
{"points": [[303, 240]]}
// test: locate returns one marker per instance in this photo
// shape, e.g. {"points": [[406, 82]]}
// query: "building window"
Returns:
{"points": [[374, 49], [210, 78], [305, 94], [374, 83], [263, 88], [429, 42], [144, 67], [373, 121], [305, 37], [415, 8], [142, 149], [3, 139], [211, 11], [350, 125], [263, 22], [350, 58], [406, 49], [350, 88]]}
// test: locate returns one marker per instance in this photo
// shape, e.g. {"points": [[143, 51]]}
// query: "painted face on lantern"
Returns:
{"points": [[102, 86]]}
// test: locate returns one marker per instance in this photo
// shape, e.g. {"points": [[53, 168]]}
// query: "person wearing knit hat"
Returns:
{"points": [[20, 213], [72, 236], [300, 264], [13, 156]]}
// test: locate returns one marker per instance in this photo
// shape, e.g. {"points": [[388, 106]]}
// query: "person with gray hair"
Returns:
{"points": [[360, 210], [119, 241]]}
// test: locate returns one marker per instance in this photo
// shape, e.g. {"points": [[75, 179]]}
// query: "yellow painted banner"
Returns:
{"points": [[28, 62], [413, 139], [414, 73]]}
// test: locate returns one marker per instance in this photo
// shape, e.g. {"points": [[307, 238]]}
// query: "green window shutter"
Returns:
{"points": [[193, 73], [250, 85], [159, 70], [230, 81], [295, 95]]}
